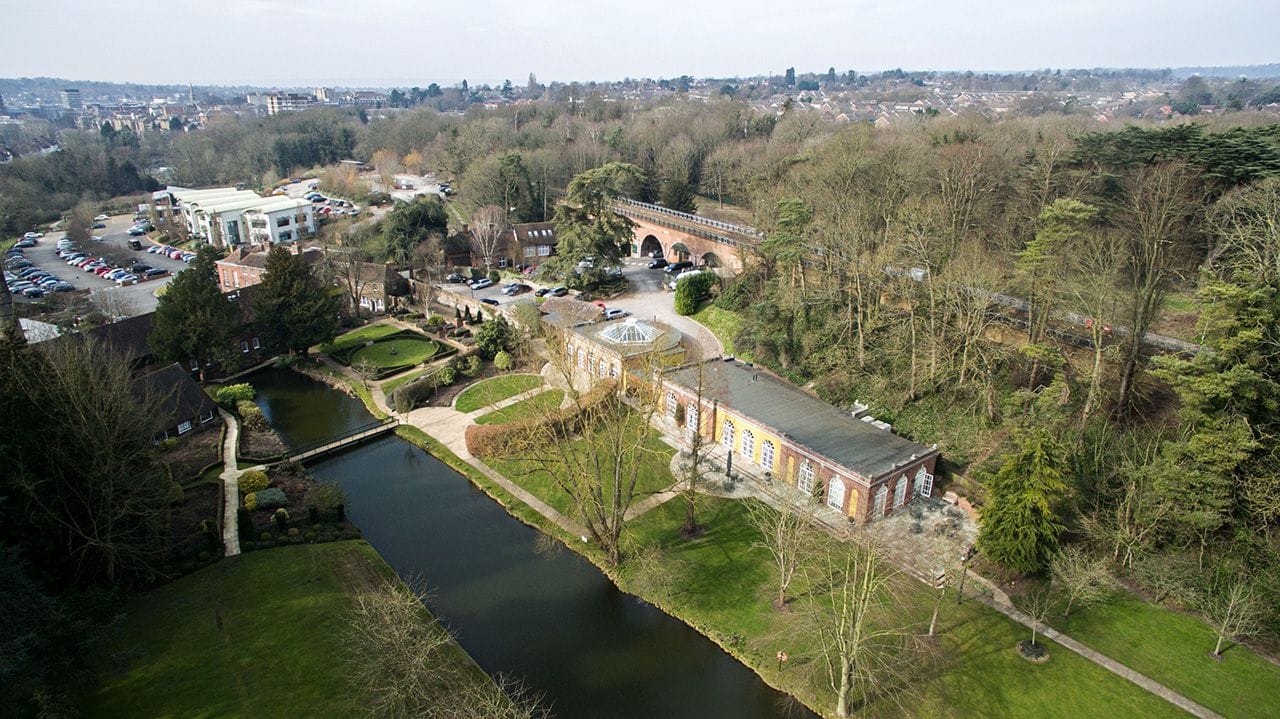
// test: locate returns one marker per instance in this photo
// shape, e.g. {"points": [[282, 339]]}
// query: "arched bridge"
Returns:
{"points": [[679, 236]]}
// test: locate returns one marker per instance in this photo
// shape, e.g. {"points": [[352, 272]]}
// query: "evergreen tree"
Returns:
{"points": [[193, 320], [677, 195], [411, 223], [586, 225], [1020, 524], [292, 309]]}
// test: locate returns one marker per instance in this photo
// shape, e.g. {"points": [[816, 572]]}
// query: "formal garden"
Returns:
{"points": [[381, 350]]}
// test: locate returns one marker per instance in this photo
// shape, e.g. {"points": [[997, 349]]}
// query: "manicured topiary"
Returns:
{"points": [[503, 360], [269, 498], [255, 480], [251, 415]]}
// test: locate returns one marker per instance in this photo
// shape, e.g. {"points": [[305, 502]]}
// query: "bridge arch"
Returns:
{"points": [[681, 251], [651, 247], [711, 259]]}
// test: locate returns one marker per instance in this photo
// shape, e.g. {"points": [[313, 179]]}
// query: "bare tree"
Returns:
{"points": [[1036, 605], [867, 654], [365, 371], [78, 222], [401, 663], [786, 533], [593, 450], [1233, 612], [114, 304], [1084, 578], [488, 226], [696, 464]]}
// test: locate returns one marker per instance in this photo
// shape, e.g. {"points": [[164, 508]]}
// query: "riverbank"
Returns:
{"points": [[256, 635]]}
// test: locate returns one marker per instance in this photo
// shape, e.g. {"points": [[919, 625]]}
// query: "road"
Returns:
{"points": [[113, 248], [645, 299]]}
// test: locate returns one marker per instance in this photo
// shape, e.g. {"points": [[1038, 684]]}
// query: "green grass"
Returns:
{"points": [[390, 385], [406, 351], [257, 635], [525, 408], [359, 336], [654, 458], [495, 389], [1173, 649], [722, 583], [1181, 302], [725, 325]]}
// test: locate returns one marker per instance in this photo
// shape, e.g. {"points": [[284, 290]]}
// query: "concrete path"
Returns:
{"points": [[230, 486]]}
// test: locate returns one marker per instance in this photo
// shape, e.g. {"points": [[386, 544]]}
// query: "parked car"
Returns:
{"points": [[21, 244], [63, 287], [17, 264], [542, 292], [657, 264], [489, 301], [127, 279], [155, 272], [98, 226], [101, 218], [515, 288], [135, 231], [676, 267], [455, 278], [31, 236], [104, 270], [615, 313], [481, 283], [559, 291]]}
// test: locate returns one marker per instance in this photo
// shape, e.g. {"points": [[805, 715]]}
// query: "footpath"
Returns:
{"points": [[230, 485]]}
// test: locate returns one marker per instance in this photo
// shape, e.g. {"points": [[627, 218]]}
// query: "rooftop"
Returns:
{"points": [[630, 337], [800, 417]]}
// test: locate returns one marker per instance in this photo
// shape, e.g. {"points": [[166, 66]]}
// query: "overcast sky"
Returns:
{"points": [[413, 42]]}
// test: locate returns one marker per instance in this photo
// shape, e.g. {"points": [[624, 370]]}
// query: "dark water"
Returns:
{"points": [[556, 623]]}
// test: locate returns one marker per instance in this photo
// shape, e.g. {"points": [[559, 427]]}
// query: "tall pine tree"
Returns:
{"points": [[292, 308], [1020, 525], [193, 320]]}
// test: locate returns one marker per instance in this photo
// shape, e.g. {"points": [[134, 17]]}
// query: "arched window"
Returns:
{"points": [[748, 444], [604, 367], [672, 404], [805, 484], [613, 371], [726, 435], [766, 454], [835, 493], [881, 495], [691, 419], [591, 364], [924, 483], [582, 358], [900, 492]]}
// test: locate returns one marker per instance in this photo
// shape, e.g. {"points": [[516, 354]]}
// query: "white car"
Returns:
{"points": [[101, 218], [481, 283], [615, 313]]}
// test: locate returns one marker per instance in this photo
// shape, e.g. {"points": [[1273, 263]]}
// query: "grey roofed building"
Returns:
{"points": [[801, 418]]}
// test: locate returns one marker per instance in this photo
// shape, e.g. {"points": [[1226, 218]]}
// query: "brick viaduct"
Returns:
{"points": [[678, 236]]}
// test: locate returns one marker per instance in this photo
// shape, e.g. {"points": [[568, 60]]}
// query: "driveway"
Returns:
{"points": [[647, 300]]}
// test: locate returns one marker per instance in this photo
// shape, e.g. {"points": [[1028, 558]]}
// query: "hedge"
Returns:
{"points": [[491, 440], [255, 480], [691, 291], [268, 498], [233, 394]]}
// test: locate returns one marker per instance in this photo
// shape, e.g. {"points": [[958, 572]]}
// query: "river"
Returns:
{"points": [[551, 620]]}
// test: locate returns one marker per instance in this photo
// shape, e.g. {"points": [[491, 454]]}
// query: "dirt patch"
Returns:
{"points": [[191, 455], [186, 535]]}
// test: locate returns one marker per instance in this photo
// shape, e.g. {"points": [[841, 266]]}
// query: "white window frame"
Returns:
{"points": [[256, 344], [748, 444], [767, 454], [835, 490], [195, 365], [613, 371], [244, 345], [900, 492], [672, 404], [185, 427], [804, 482], [882, 495], [208, 417], [726, 434], [691, 418], [924, 483]]}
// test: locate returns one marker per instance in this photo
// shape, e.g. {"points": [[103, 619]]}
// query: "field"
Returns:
{"points": [[256, 635]]}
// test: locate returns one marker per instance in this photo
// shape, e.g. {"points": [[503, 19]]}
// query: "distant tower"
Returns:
{"points": [[191, 94], [2, 110], [71, 99]]}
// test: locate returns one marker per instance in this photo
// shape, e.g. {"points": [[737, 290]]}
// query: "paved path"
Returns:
{"points": [[230, 486]]}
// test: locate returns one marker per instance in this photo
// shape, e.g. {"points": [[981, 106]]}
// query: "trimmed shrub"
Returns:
{"points": [[281, 518], [503, 360], [469, 367], [293, 532], [691, 291], [265, 537], [252, 416], [233, 394], [495, 277], [255, 480], [269, 498]]}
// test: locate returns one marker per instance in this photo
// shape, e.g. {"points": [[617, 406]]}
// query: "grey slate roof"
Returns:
{"points": [[800, 417]]}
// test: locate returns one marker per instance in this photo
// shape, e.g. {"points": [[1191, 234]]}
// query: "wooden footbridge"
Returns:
{"points": [[347, 438]]}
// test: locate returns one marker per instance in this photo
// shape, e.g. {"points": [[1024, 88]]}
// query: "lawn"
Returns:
{"points": [[256, 635], [1173, 649], [722, 583], [525, 408], [359, 336], [390, 385], [495, 389], [401, 351], [654, 472], [724, 324]]}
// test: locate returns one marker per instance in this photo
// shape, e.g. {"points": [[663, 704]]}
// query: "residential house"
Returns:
{"points": [[183, 405]]}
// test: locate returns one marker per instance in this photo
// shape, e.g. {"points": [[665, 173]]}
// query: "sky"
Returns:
{"points": [[414, 42]]}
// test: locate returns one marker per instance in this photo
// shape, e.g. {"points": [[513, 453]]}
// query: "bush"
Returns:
{"points": [[255, 480], [503, 361], [495, 277], [328, 496], [434, 322], [691, 291], [233, 394], [494, 337], [174, 494], [281, 518], [269, 498], [251, 415], [293, 532], [265, 537], [470, 367]]}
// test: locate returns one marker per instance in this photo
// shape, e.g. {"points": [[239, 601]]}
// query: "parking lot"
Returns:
{"points": [[112, 248]]}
